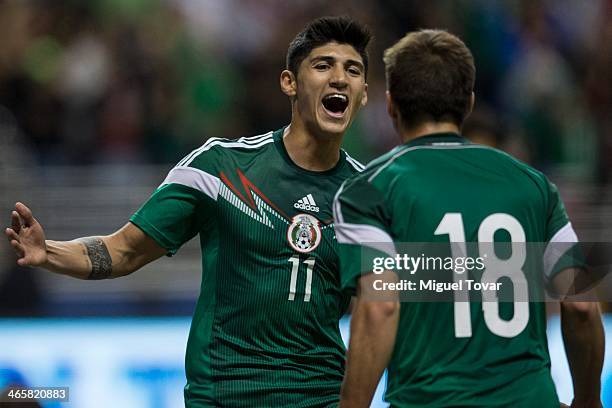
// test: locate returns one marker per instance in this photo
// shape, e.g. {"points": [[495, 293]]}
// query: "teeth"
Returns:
{"points": [[343, 97]]}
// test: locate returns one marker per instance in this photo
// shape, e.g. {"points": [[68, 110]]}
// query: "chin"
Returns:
{"points": [[336, 129], [329, 126]]}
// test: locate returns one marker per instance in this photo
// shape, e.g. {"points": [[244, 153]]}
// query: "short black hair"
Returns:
{"points": [[323, 30]]}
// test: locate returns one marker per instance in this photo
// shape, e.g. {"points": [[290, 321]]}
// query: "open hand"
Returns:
{"points": [[27, 237]]}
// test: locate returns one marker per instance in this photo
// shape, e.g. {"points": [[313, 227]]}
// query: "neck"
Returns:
{"points": [[311, 151], [426, 128]]}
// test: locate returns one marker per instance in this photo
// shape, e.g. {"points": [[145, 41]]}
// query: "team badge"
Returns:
{"points": [[304, 233]]}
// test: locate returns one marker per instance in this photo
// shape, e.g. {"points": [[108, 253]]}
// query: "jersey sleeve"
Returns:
{"points": [[185, 203], [361, 222], [562, 249]]}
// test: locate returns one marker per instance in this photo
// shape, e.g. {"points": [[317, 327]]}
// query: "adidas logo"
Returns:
{"points": [[307, 203]]}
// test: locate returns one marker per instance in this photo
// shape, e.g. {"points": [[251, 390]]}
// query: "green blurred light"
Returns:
{"points": [[42, 59], [126, 8]]}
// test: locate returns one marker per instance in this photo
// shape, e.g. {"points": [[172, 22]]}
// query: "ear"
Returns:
{"points": [[364, 97], [288, 83], [390, 106], [392, 111], [472, 101]]}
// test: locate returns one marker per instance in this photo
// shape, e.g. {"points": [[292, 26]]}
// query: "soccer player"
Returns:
{"points": [[439, 188], [265, 330]]}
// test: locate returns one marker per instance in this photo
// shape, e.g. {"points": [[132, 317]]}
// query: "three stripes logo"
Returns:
{"points": [[306, 203]]}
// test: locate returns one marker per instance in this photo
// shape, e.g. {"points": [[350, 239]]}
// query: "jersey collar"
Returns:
{"points": [[433, 139], [280, 146]]}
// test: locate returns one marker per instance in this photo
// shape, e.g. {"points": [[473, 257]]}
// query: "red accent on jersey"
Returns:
{"points": [[249, 188]]}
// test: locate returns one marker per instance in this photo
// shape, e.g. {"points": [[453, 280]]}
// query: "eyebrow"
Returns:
{"points": [[329, 58]]}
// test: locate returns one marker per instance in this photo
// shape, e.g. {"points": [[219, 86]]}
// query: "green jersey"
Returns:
{"points": [[265, 330], [441, 189]]}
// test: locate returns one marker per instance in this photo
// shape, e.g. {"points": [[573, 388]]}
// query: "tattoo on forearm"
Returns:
{"points": [[101, 262]]}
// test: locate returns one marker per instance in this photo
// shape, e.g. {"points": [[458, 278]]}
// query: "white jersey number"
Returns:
{"points": [[495, 268], [295, 266]]}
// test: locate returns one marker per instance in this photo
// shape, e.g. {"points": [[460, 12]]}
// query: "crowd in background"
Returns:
{"points": [[132, 81]]}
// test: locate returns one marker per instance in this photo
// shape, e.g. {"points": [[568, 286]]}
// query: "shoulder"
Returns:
{"points": [[201, 167], [382, 165], [522, 170], [360, 183], [355, 166], [218, 148], [487, 156], [361, 180], [508, 158]]}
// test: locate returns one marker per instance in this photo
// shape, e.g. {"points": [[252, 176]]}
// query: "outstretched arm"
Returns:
{"points": [[583, 337], [101, 257]]}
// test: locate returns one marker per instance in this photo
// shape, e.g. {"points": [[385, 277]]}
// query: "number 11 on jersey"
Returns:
{"points": [[295, 266]]}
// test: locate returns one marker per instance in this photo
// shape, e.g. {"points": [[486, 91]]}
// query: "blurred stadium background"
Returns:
{"points": [[99, 99]]}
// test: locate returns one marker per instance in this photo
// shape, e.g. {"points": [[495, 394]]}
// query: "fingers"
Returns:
{"points": [[25, 213], [22, 260], [11, 234], [15, 222], [18, 248], [20, 218]]}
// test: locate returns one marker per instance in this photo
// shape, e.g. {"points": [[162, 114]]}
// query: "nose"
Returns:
{"points": [[338, 77]]}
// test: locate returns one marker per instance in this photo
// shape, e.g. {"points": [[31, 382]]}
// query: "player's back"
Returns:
{"points": [[441, 189]]}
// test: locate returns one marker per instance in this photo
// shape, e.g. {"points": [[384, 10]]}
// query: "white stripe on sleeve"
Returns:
{"points": [[558, 245], [195, 178], [365, 235]]}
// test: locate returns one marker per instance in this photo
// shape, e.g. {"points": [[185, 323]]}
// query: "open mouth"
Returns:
{"points": [[335, 104]]}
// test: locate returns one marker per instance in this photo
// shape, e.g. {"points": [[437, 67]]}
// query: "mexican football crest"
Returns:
{"points": [[304, 233]]}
